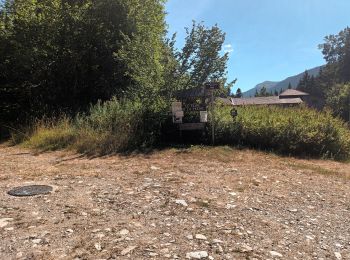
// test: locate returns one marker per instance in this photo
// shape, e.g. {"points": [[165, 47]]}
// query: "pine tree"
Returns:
{"points": [[238, 93], [263, 93], [304, 81]]}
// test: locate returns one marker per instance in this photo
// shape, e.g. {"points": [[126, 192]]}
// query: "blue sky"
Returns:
{"points": [[268, 39]]}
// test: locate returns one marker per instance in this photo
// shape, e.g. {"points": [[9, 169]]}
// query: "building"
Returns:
{"points": [[293, 93], [289, 97]]}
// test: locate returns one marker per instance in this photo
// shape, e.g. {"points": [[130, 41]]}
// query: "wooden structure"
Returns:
{"points": [[199, 100], [292, 93], [289, 97], [273, 100]]}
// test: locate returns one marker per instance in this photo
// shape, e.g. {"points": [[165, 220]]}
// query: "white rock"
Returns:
{"points": [[336, 244], [201, 237], [181, 202], [164, 250], [190, 237], [154, 168], [275, 254], [230, 206], [98, 246], [36, 241], [4, 221], [9, 228], [220, 249], [293, 210], [337, 255], [197, 255], [127, 250], [100, 235], [123, 232], [217, 241]]}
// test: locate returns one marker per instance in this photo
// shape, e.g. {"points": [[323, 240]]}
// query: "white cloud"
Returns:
{"points": [[228, 48]]}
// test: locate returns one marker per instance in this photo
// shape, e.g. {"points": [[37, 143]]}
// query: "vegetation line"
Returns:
{"points": [[99, 77]]}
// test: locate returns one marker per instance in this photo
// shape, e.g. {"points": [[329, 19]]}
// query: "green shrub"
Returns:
{"points": [[109, 127], [295, 130], [121, 125]]}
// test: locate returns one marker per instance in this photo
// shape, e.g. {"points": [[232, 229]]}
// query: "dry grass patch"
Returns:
{"points": [[316, 169]]}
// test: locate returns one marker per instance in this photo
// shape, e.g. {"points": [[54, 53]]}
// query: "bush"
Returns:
{"points": [[295, 130], [122, 125], [52, 134], [108, 127]]}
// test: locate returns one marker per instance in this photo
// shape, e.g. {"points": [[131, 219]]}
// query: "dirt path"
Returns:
{"points": [[215, 203]]}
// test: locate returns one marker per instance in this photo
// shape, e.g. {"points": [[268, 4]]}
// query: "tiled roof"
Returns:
{"points": [[293, 92], [273, 100]]}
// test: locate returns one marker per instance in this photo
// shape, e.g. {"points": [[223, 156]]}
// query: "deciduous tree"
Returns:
{"points": [[201, 59]]}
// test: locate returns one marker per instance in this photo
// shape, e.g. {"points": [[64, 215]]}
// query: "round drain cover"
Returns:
{"points": [[30, 190]]}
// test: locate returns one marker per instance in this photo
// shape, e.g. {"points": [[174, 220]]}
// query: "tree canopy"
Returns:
{"points": [[336, 51], [200, 60], [62, 55], [330, 87]]}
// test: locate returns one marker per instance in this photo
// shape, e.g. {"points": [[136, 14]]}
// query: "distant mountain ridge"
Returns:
{"points": [[271, 86]]}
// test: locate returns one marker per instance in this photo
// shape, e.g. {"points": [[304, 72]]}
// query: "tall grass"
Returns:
{"points": [[121, 125], [298, 130], [116, 126], [108, 127], [52, 134]]}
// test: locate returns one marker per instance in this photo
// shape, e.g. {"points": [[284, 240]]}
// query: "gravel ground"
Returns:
{"points": [[198, 203]]}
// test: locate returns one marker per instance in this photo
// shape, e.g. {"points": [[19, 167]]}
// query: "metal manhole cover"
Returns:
{"points": [[30, 190]]}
